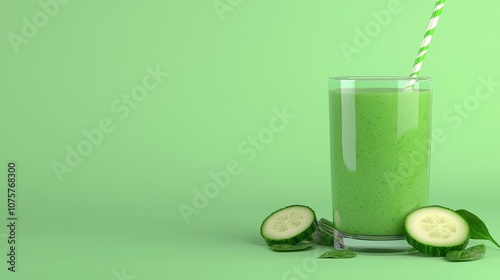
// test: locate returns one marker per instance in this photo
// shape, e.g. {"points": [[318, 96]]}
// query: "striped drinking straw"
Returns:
{"points": [[425, 44]]}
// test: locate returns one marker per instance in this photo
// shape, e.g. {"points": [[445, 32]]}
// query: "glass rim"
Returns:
{"points": [[378, 78]]}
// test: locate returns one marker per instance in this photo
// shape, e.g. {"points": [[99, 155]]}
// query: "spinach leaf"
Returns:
{"points": [[470, 254], [338, 254], [290, 247], [478, 229]]}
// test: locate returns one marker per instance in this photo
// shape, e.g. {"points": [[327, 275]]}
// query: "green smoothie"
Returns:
{"points": [[379, 158]]}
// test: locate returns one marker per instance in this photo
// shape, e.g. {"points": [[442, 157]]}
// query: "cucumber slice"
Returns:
{"points": [[289, 225], [435, 230]]}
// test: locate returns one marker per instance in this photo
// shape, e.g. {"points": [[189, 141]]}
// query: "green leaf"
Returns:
{"points": [[338, 254], [323, 234], [478, 229], [326, 224], [478, 249], [290, 247], [470, 254]]}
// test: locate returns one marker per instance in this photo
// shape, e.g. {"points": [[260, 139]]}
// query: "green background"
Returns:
{"points": [[116, 215]]}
